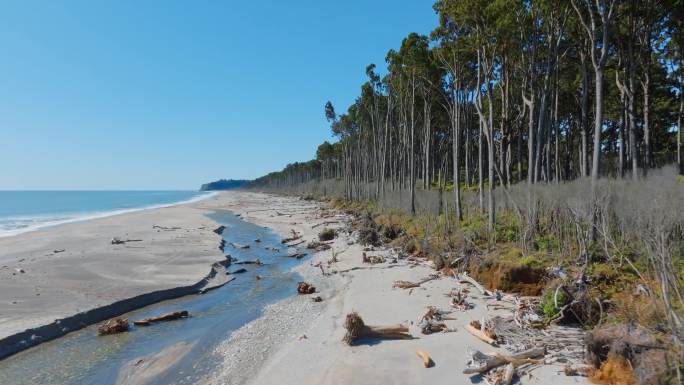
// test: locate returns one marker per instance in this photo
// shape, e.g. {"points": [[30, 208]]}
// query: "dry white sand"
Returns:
{"points": [[273, 349]]}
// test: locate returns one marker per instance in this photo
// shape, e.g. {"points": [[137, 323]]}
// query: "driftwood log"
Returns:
{"points": [[480, 362], [427, 361], [357, 329], [318, 246], [118, 241], [295, 255], [410, 285], [238, 246], [113, 326], [250, 262], [476, 328], [164, 317], [294, 237], [464, 277]]}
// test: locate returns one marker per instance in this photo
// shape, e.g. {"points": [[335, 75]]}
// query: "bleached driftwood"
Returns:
{"points": [[294, 237], [464, 277], [409, 285], [357, 329], [507, 377], [480, 334], [238, 246], [480, 362], [117, 241]]}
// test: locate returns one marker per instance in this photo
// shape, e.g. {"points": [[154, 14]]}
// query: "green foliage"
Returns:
{"points": [[507, 228], [327, 234], [548, 304], [547, 243]]}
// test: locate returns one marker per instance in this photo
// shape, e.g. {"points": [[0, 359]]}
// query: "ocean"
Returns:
{"points": [[22, 211]]}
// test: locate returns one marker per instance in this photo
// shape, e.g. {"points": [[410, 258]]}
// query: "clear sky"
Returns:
{"points": [[171, 94]]}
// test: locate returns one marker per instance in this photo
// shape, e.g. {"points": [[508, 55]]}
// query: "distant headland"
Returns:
{"points": [[224, 184]]}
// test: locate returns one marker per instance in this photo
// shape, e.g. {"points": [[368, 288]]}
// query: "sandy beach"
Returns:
{"points": [[298, 341], [295, 341], [59, 271]]}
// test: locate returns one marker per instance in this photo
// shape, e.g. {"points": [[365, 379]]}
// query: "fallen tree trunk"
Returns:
{"points": [[357, 329], [164, 317], [464, 277]]}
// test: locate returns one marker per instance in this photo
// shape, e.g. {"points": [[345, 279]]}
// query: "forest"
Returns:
{"points": [[546, 130]]}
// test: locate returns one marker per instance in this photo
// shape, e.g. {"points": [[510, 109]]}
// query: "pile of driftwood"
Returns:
{"points": [[113, 326], [501, 368], [458, 299], [318, 246], [432, 321], [372, 259], [483, 330]]}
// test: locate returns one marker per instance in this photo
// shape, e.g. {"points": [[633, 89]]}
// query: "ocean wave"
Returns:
{"points": [[11, 226]]}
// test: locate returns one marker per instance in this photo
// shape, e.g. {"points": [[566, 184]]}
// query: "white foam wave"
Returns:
{"points": [[19, 225]]}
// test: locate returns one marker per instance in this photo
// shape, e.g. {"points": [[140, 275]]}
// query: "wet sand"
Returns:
{"points": [[59, 271]]}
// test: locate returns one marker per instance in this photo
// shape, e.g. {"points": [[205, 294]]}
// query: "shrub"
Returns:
{"points": [[327, 234], [548, 304]]}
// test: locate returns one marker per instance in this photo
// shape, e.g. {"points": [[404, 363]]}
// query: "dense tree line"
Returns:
{"points": [[508, 91]]}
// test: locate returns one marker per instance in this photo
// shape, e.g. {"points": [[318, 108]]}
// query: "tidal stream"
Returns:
{"points": [[81, 357]]}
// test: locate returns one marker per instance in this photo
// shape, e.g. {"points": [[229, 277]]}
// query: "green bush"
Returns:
{"points": [[548, 305], [327, 235], [547, 243]]}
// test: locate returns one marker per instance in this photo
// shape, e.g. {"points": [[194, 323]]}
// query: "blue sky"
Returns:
{"points": [[171, 94]]}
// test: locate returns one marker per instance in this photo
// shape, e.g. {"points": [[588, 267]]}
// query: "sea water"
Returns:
{"points": [[22, 211]]}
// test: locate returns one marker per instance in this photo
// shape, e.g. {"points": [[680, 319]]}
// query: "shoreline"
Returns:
{"points": [[29, 338], [43, 287], [297, 340], [88, 216]]}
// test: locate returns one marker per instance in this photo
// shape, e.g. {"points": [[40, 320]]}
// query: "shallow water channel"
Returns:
{"points": [[82, 357]]}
